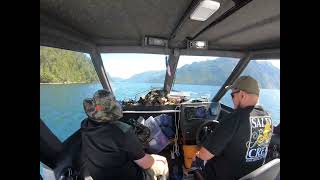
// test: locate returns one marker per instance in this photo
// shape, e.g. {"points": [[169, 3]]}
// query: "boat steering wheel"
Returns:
{"points": [[204, 130], [208, 126]]}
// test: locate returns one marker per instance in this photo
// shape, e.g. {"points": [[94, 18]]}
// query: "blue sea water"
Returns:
{"points": [[62, 110], [61, 106]]}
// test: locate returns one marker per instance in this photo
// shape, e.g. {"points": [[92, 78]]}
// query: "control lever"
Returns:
{"points": [[197, 164], [196, 168]]}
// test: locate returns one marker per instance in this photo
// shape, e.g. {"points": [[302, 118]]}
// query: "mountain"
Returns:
{"points": [[267, 75], [149, 76], [211, 72], [62, 66], [215, 72], [116, 79]]}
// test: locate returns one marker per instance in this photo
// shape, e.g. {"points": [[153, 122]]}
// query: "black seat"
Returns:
{"points": [[268, 171], [68, 161]]}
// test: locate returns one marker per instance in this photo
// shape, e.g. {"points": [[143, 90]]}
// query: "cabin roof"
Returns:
{"points": [[114, 26]]}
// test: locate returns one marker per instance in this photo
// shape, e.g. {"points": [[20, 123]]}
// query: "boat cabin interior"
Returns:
{"points": [[244, 29]]}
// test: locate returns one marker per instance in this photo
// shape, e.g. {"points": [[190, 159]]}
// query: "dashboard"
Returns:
{"points": [[199, 119]]}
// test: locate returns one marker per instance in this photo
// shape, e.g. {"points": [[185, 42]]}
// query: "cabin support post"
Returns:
{"points": [[171, 69], [242, 64], [50, 146], [98, 65]]}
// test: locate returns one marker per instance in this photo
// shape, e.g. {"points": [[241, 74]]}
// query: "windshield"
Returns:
{"points": [[133, 75], [202, 76]]}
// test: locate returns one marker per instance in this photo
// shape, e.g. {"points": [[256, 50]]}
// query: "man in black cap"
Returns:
{"points": [[110, 149], [240, 142]]}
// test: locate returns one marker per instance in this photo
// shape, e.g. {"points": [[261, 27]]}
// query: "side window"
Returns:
{"points": [[66, 78], [267, 73]]}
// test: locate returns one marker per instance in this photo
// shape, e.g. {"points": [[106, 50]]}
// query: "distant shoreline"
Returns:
{"points": [[70, 83]]}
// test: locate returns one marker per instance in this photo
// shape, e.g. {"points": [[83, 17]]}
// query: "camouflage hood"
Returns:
{"points": [[103, 107]]}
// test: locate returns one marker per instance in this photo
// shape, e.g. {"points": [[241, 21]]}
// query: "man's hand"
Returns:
{"points": [[146, 162], [197, 164], [160, 165], [204, 154], [160, 158], [196, 156]]}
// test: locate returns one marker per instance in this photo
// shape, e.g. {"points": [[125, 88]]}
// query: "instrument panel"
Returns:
{"points": [[194, 116]]}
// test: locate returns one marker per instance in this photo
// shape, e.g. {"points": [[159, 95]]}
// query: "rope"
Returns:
{"points": [[177, 124]]}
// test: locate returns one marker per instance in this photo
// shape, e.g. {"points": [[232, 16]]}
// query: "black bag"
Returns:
{"points": [[142, 132]]}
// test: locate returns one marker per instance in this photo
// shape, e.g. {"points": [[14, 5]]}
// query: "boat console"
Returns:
{"points": [[192, 122], [198, 119]]}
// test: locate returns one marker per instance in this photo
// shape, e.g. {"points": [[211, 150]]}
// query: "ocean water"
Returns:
{"points": [[61, 106], [62, 110]]}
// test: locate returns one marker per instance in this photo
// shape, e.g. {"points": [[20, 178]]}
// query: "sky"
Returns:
{"points": [[276, 63], [127, 64]]}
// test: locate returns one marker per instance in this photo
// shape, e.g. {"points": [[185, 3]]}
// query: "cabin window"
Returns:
{"points": [[66, 78], [133, 75], [267, 73], [202, 76]]}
